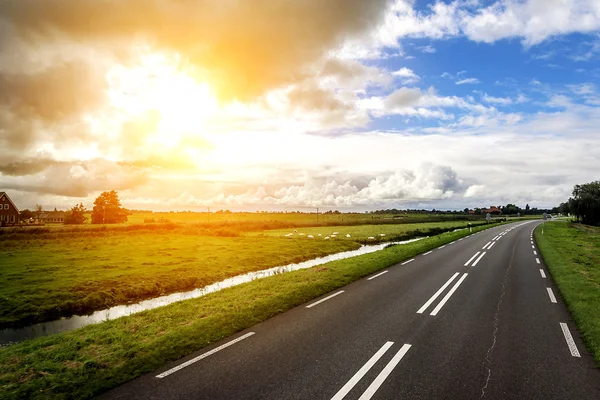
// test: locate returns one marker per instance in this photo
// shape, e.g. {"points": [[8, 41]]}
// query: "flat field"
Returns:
{"points": [[49, 272], [43, 279], [363, 232]]}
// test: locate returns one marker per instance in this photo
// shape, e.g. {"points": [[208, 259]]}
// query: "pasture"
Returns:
{"points": [[50, 272]]}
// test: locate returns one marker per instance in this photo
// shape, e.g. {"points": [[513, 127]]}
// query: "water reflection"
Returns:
{"points": [[10, 336]]}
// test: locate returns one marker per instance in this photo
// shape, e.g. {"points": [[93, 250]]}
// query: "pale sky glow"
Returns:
{"points": [[290, 105]]}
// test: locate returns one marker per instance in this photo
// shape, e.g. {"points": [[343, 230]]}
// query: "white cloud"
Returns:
{"points": [[467, 81], [407, 76], [497, 100], [582, 88], [427, 49]]}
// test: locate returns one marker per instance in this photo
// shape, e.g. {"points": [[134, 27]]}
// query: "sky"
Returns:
{"points": [[294, 104]]}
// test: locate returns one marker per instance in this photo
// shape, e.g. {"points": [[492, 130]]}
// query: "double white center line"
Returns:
{"points": [[473, 258], [440, 291], [373, 387]]}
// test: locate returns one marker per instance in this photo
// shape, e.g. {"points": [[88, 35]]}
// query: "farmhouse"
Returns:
{"points": [[9, 213], [52, 217]]}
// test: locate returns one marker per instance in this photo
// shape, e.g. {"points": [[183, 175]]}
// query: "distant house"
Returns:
{"points": [[9, 213], [52, 217], [492, 210]]}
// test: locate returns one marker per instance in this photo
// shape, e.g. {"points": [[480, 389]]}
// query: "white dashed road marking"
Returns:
{"points": [[200, 357], [551, 295], [325, 299], [569, 338]]}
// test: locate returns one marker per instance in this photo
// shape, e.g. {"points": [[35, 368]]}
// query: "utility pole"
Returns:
{"points": [[317, 214], [208, 208]]}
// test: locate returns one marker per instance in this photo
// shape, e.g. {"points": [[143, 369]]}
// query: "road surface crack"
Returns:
{"points": [[488, 357]]}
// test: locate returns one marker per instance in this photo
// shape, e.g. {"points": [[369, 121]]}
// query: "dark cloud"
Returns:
{"points": [[54, 94], [72, 179], [26, 167], [243, 47]]}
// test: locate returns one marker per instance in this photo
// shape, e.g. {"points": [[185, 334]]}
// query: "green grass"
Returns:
{"points": [[43, 279], [363, 232], [572, 254], [93, 359]]}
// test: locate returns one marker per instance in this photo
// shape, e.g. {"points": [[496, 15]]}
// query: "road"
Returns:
{"points": [[478, 318]]}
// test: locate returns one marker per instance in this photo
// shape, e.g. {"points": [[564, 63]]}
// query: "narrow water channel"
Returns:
{"points": [[11, 336]]}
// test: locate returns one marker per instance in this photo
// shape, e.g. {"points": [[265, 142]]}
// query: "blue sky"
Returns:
{"points": [[294, 104]]}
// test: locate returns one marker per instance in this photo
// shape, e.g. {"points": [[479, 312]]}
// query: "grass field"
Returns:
{"points": [[49, 272], [572, 254], [88, 361], [43, 279], [363, 232]]}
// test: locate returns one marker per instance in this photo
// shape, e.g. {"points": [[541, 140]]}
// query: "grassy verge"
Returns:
{"points": [[91, 360], [572, 254]]}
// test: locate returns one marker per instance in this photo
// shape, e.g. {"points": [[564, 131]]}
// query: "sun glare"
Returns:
{"points": [[158, 85]]}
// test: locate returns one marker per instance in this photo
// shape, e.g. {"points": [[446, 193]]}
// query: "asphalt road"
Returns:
{"points": [[497, 329]]}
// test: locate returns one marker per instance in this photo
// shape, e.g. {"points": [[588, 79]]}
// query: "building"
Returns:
{"points": [[492, 210], [9, 213], [52, 217]]}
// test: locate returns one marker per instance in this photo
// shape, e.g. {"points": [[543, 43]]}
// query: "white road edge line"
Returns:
{"points": [[200, 357], [486, 245], [441, 247], [479, 259], [551, 294], [436, 294], [385, 373], [471, 259], [375, 276], [569, 339], [532, 246], [429, 252], [542, 273], [450, 293], [491, 245], [361, 372], [535, 253], [537, 260], [406, 262], [325, 299]]}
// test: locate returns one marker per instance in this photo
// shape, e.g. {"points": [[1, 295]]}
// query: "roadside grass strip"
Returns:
{"points": [[571, 253], [569, 338], [88, 361], [209, 353]]}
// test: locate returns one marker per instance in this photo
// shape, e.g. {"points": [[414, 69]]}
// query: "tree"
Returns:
{"points": [[38, 210], [26, 214], [585, 203], [107, 209], [76, 215]]}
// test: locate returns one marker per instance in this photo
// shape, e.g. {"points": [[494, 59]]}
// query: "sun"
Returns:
{"points": [[159, 85]]}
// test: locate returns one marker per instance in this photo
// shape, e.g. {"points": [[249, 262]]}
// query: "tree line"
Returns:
{"points": [[584, 203]]}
